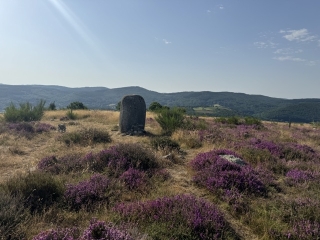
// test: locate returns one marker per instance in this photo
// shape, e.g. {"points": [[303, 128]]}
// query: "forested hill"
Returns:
{"points": [[202, 103]]}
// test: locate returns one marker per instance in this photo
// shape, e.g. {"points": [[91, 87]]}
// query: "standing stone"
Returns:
{"points": [[132, 115]]}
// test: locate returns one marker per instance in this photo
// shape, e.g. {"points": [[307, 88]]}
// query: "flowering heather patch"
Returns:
{"points": [[305, 229], [204, 160], [273, 148], [21, 127], [295, 151], [59, 234], [49, 164], [44, 127], [120, 158], [87, 193], [101, 230], [64, 164], [296, 176], [198, 218], [215, 172], [133, 178]]}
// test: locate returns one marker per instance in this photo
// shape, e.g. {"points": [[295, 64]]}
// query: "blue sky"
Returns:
{"points": [[269, 47]]}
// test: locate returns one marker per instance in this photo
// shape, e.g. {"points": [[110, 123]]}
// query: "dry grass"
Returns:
{"points": [[21, 155]]}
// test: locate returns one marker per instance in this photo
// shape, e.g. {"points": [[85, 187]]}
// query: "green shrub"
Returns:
{"points": [[52, 106], [76, 105], [71, 115], [26, 112], [164, 143], [252, 121], [170, 119], [38, 190], [229, 120]]}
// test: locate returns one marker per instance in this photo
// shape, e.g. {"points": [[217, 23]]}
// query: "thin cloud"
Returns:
{"points": [[166, 42], [287, 51], [289, 58], [312, 63], [301, 35], [208, 11], [221, 7], [268, 44]]}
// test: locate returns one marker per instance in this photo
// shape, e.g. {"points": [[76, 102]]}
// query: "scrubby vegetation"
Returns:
{"points": [[187, 178], [26, 112]]}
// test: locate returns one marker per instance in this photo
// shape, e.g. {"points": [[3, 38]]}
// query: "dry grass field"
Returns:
{"points": [[276, 195]]}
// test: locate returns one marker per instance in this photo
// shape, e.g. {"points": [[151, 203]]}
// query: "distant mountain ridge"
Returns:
{"points": [[268, 108]]}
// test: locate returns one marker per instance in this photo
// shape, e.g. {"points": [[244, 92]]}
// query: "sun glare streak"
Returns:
{"points": [[78, 26]]}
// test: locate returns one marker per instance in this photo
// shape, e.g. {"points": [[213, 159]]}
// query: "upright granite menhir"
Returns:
{"points": [[132, 115]]}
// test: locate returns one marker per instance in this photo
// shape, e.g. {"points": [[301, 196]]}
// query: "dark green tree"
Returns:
{"points": [[76, 105], [52, 106], [155, 106], [118, 106]]}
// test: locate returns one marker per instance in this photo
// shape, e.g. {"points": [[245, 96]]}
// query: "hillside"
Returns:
{"points": [[267, 108]]}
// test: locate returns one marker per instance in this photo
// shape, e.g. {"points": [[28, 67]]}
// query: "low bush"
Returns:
{"points": [[133, 179], [65, 164], [96, 230], [25, 113], [293, 151], [296, 176], [23, 127], [252, 121], [86, 194], [121, 157], [101, 230], [114, 160], [43, 127], [38, 190], [86, 137], [229, 120], [27, 129], [170, 119], [178, 217], [71, 115], [215, 172], [164, 143], [58, 234]]}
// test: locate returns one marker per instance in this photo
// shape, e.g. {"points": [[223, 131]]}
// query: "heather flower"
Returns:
{"points": [[43, 127], [59, 234], [306, 229], [273, 148], [67, 163], [87, 193], [296, 176], [49, 164], [202, 218], [118, 159], [215, 172], [133, 178], [101, 230], [22, 127], [295, 151]]}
